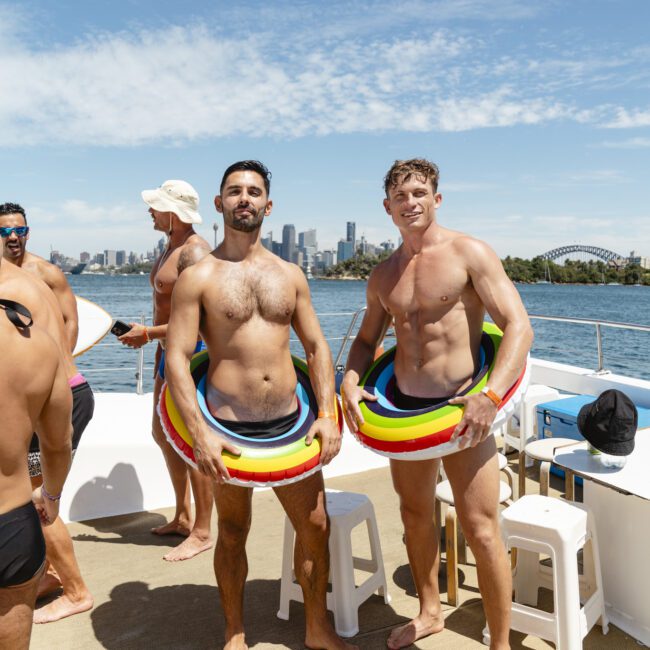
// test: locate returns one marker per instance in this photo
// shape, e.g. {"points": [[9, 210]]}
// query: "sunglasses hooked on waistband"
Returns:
{"points": [[21, 231], [14, 311]]}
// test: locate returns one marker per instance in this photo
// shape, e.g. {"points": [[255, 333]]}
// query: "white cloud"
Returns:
{"points": [[183, 84], [632, 119], [630, 143]]}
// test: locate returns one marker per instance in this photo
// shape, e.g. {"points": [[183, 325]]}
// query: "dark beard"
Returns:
{"points": [[247, 224]]}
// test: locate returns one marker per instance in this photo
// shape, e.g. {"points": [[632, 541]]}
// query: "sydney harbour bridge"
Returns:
{"points": [[582, 251]]}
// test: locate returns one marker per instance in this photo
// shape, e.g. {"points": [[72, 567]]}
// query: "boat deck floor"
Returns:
{"points": [[142, 601]]}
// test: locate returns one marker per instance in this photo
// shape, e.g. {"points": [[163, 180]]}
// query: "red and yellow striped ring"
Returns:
{"points": [[426, 433], [263, 462]]}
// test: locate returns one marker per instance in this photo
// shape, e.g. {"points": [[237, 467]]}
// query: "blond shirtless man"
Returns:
{"points": [[31, 291], [174, 210], [35, 397], [244, 301], [437, 287], [13, 216]]}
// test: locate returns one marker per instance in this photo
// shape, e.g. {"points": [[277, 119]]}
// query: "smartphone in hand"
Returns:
{"points": [[119, 328]]}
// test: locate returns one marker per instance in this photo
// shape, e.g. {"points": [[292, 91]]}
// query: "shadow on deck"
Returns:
{"points": [[143, 602]]}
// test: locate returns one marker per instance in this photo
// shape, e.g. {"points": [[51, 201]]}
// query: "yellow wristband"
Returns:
{"points": [[492, 396], [327, 414]]}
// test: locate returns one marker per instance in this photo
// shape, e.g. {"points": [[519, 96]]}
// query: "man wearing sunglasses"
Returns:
{"points": [[15, 233]]}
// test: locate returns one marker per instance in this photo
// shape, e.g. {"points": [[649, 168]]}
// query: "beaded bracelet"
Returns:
{"points": [[49, 496]]}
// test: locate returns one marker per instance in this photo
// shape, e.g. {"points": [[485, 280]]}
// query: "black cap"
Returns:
{"points": [[609, 423]]}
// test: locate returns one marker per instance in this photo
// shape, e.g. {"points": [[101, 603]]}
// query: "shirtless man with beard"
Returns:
{"points": [[31, 291], [437, 286], [13, 216], [244, 301], [35, 397], [174, 210]]}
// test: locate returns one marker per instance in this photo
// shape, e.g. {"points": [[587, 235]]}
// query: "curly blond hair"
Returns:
{"points": [[402, 170]]}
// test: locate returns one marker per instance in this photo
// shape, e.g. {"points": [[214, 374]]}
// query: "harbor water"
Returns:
{"points": [[109, 366]]}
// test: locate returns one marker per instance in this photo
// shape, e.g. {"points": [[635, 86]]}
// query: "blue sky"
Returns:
{"points": [[538, 114]]}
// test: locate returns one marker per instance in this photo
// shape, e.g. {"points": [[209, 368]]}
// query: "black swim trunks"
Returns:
{"points": [[83, 407], [262, 429], [22, 546], [409, 403]]}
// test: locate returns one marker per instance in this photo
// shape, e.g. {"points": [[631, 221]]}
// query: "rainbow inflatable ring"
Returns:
{"points": [[263, 463], [425, 433]]}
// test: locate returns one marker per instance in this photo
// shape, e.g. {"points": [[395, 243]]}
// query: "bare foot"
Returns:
{"points": [[419, 627], [326, 639], [172, 528], [48, 585], [62, 607], [236, 642], [187, 549]]}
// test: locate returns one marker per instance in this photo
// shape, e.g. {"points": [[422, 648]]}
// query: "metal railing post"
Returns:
{"points": [[347, 336], [599, 343], [139, 373]]}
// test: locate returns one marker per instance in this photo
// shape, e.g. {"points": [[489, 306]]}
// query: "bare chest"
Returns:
{"points": [[242, 296], [428, 286], [165, 272]]}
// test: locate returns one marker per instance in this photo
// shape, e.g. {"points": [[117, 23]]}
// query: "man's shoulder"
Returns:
{"points": [[196, 240], [467, 245], [48, 272], [192, 252], [385, 267]]}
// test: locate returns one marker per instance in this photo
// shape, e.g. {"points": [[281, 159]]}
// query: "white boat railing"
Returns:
{"points": [[599, 325]]}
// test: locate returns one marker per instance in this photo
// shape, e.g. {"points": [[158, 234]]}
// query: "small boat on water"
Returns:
{"points": [[118, 489]]}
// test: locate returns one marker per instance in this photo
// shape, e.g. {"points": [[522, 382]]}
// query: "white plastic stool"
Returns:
{"points": [[537, 524], [535, 394], [543, 450], [346, 511]]}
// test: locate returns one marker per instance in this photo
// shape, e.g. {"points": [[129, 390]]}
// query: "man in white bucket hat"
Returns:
{"points": [[174, 209]]}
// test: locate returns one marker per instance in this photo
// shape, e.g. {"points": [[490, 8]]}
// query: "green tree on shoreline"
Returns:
{"points": [[538, 269]]}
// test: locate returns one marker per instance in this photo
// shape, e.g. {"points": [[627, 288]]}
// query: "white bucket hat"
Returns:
{"points": [[178, 197]]}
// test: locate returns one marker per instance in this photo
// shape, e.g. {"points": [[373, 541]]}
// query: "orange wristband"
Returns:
{"points": [[492, 396], [146, 335], [327, 414]]}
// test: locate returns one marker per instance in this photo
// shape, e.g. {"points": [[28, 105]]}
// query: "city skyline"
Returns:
{"points": [[537, 114]]}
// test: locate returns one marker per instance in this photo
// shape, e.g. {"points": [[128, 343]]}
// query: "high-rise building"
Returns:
{"points": [[344, 251], [110, 258], [120, 258], [307, 239], [267, 241], [84, 256], [288, 242], [99, 259], [352, 234]]}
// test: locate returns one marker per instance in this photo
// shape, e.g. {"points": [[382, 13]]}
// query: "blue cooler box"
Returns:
{"points": [[559, 419]]}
